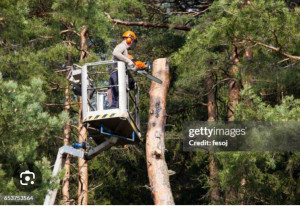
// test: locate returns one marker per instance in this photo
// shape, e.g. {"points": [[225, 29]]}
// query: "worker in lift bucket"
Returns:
{"points": [[120, 53]]}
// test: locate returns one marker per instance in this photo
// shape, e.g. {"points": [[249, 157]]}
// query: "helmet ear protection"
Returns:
{"points": [[128, 40], [130, 37]]}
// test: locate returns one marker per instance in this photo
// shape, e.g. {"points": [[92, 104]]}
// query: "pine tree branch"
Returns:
{"points": [[261, 80], [63, 70], [70, 42], [194, 13], [286, 59], [296, 58], [276, 39], [95, 187], [219, 82], [61, 105], [69, 30], [42, 37], [147, 24]]}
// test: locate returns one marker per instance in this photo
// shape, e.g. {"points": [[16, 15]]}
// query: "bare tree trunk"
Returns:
{"points": [[234, 85], [211, 110], [214, 191], [246, 80], [234, 94], [67, 130], [66, 136], [211, 101], [82, 164], [155, 145], [83, 42]]}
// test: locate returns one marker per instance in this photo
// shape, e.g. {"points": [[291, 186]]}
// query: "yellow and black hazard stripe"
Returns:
{"points": [[133, 125], [101, 116]]}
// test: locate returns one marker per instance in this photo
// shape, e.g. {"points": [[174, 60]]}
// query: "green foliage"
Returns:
{"points": [[289, 110], [272, 96], [38, 35], [25, 125]]}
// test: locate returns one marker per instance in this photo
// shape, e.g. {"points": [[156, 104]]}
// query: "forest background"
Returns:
{"points": [[230, 60]]}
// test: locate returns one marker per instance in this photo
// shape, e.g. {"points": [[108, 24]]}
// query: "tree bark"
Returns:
{"points": [[234, 85], [211, 101], [155, 145], [66, 136], [83, 42], [213, 181], [82, 164], [247, 76], [211, 110], [246, 80], [234, 94]]}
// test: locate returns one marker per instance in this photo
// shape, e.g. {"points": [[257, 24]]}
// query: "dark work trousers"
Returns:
{"points": [[113, 80]]}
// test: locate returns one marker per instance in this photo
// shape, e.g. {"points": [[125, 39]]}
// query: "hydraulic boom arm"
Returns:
{"points": [[60, 161]]}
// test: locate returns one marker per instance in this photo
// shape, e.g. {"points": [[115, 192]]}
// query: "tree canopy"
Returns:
{"points": [[203, 39]]}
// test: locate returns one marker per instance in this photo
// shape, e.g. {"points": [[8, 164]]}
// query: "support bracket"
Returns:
{"points": [[108, 143], [114, 135]]}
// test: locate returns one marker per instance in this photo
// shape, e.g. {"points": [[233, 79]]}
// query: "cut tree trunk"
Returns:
{"points": [[82, 164], [155, 146], [66, 136]]}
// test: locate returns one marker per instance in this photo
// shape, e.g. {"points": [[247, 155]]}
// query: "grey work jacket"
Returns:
{"points": [[120, 53]]}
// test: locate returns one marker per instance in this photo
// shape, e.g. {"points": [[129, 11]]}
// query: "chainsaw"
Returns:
{"points": [[142, 68]]}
